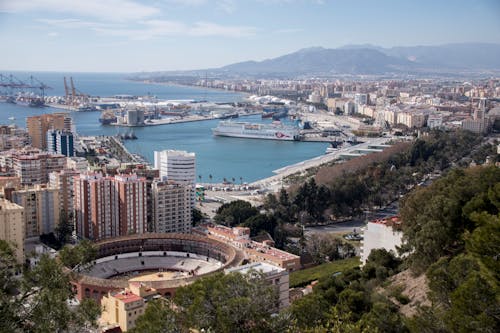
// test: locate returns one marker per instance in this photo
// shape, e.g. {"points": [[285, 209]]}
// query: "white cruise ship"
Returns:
{"points": [[272, 131]]}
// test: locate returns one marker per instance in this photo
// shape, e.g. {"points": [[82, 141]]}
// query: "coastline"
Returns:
{"points": [[176, 84]]}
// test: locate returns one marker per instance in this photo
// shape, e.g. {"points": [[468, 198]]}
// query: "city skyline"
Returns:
{"points": [[134, 36]]}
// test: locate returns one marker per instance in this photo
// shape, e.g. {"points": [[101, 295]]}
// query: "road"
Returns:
{"points": [[339, 228]]}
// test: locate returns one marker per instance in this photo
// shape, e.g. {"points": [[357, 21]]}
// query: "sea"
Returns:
{"points": [[244, 160]]}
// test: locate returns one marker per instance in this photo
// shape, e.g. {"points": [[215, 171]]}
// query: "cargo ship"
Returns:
{"points": [[274, 131], [107, 117]]}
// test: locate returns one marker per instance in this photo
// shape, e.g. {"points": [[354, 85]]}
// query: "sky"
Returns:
{"points": [[154, 35]]}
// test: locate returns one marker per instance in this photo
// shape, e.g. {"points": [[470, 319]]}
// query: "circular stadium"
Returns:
{"points": [[160, 261]]}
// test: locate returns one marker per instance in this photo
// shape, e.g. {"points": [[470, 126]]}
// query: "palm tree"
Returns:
{"points": [[199, 176], [210, 177], [233, 179], [241, 180], [225, 180]]}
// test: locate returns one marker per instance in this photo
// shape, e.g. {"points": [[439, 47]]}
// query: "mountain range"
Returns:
{"points": [[367, 60]]}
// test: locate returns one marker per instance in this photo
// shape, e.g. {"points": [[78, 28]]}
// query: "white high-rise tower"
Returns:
{"points": [[175, 165]]}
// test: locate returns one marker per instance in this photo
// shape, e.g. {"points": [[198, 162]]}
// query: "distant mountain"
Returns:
{"points": [[318, 60], [448, 59], [466, 56]]}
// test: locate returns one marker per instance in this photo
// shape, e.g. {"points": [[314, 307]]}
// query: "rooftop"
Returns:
{"points": [[127, 297], [257, 266], [391, 221]]}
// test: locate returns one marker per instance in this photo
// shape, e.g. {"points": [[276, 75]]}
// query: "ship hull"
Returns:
{"points": [[256, 131], [250, 136]]}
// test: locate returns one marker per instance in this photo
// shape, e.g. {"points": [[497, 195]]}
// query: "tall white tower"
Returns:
{"points": [[175, 165]]}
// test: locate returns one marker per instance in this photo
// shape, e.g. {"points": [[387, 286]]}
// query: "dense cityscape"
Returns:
{"points": [[347, 188]]}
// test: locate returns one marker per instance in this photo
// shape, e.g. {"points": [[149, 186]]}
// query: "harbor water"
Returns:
{"points": [[244, 160]]}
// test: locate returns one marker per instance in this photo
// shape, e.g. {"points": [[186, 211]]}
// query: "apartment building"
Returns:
{"points": [[12, 227], [60, 142], [41, 209], [172, 206], [32, 166], [64, 181], [38, 126], [109, 206]]}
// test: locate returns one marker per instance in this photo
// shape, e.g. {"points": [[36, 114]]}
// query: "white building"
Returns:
{"points": [[77, 163], [381, 234], [361, 99], [176, 165], [435, 121], [275, 275]]}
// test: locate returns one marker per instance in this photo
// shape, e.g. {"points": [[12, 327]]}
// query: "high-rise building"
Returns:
{"points": [[172, 206], [32, 166], [12, 226], [64, 181], [132, 204], [109, 206], [176, 165], [60, 142], [41, 209], [96, 215], [39, 125]]}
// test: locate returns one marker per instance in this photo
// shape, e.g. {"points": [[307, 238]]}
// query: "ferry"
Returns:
{"points": [[273, 131]]}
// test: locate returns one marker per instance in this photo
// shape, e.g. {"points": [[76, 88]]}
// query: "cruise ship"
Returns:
{"points": [[274, 131]]}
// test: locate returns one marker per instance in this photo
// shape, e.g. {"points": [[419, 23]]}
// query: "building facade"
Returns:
{"points": [[175, 165], [41, 209], [172, 211], [381, 234], [122, 309], [38, 126], [60, 142], [12, 227], [64, 182], [108, 207], [131, 204], [32, 166], [276, 276]]}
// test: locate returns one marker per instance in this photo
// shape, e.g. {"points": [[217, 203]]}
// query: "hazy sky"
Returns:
{"points": [[133, 35]]}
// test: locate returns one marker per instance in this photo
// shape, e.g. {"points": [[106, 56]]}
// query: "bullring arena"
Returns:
{"points": [[160, 261]]}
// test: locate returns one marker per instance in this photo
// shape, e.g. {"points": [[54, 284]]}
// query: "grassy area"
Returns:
{"points": [[303, 277]]}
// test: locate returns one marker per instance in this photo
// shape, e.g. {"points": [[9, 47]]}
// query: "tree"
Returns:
{"points": [[434, 218], [159, 317], [310, 310], [259, 223], [235, 213], [227, 303], [198, 216], [210, 177], [37, 301], [81, 255], [199, 177], [270, 202], [64, 229], [325, 247]]}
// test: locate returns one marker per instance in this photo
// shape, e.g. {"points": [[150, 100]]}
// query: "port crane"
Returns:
{"points": [[74, 97], [14, 86]]}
